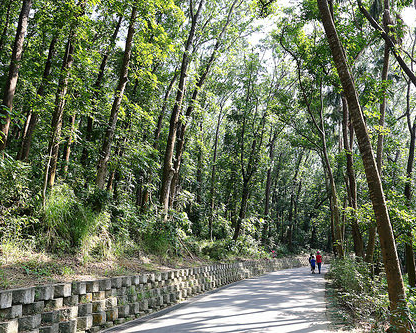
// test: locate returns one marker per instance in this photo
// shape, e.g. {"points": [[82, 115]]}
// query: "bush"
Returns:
{"points": [[363, 295]]}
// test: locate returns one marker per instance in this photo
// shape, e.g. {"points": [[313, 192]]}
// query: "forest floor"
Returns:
{"points": [[22, 269]]}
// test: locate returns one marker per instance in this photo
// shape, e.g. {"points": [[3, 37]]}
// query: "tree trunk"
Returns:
{"points": [[11, 83], [213, 174], [168, 170], [96, 87], [243, 208], [6, 26], [400, 317], [183, 125], [33, 116], [67, 150], [112, 122], [410, 259], [145, 195], [380, 138], [268, 187], [53, 149], [351, 182]]}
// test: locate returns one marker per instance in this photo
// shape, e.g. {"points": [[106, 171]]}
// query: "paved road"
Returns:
{"points": [[285, 301]]}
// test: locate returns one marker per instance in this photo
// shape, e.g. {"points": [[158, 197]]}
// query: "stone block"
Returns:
{"points": [[132, 298], [33, 308], [120, 321], [68, 326], [122, 300], [135, 280], [124, 311], [111, 302], [84, 323], [84, 309], [30, 322], [108, 324], [87, 298], [166, 298], [79, 288], [23, 295], [63, 290], [54, 328], [110, 293], [12, 312], [126, 281], [50, 317], [98, 318], [11, 326], [121, 291], [98, 306], [44, 293], [68, 313], [143, 279], [151, 277], [105, 284], [93, 286], [116, 282], [112, 314], [98, 295], [134, 308], [54, 304], [6, 298], [71, 300]]}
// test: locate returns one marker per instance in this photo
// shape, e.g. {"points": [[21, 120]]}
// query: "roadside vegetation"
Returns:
{"points": [[142, 134]]}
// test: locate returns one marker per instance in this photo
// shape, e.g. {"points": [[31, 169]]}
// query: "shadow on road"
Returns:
{"points": [[284, 301]]}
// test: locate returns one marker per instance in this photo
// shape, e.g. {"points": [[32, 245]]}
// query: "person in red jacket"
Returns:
{"points": [[319, 260]]}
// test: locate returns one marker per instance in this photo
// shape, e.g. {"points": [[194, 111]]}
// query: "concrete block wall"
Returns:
{"points": [[90, 306]]}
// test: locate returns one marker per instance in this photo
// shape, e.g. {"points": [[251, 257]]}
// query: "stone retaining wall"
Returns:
{"points": [[90, 306]]}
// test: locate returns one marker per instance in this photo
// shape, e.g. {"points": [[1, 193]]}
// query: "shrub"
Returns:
{"points": [[365, 296]]}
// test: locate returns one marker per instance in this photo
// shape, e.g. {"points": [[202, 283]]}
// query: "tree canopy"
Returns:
{"points": [[217, 128]]}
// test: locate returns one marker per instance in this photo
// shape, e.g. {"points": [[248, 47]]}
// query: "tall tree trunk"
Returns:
{"points": [[292, 201], [183, 125], [243, 208], [380, 139], [67, 150], [11, 83], [200, 158], [168, 170], [146, 192], [400, 316], [213, 174], [53, 149], [410, 258], [272, 141], [112, 122], [6, 26], [33, 115], [351, 182], [97, 86]]}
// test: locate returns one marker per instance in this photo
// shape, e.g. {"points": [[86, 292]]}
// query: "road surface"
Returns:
{"points": [[290, 300]]}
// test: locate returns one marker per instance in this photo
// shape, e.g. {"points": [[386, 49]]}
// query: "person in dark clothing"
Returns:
{"points": [[312, 262]]}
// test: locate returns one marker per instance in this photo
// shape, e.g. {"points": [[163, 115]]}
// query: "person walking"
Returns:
{"points": [[312, 261], [319, 261]]}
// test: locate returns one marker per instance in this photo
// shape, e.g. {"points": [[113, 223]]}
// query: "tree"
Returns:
{"points": [[10, 89], [112, 122], [400, 319], [168, 170]]}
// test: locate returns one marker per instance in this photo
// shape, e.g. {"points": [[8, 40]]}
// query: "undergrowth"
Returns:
{"points": [[360, 296]]}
